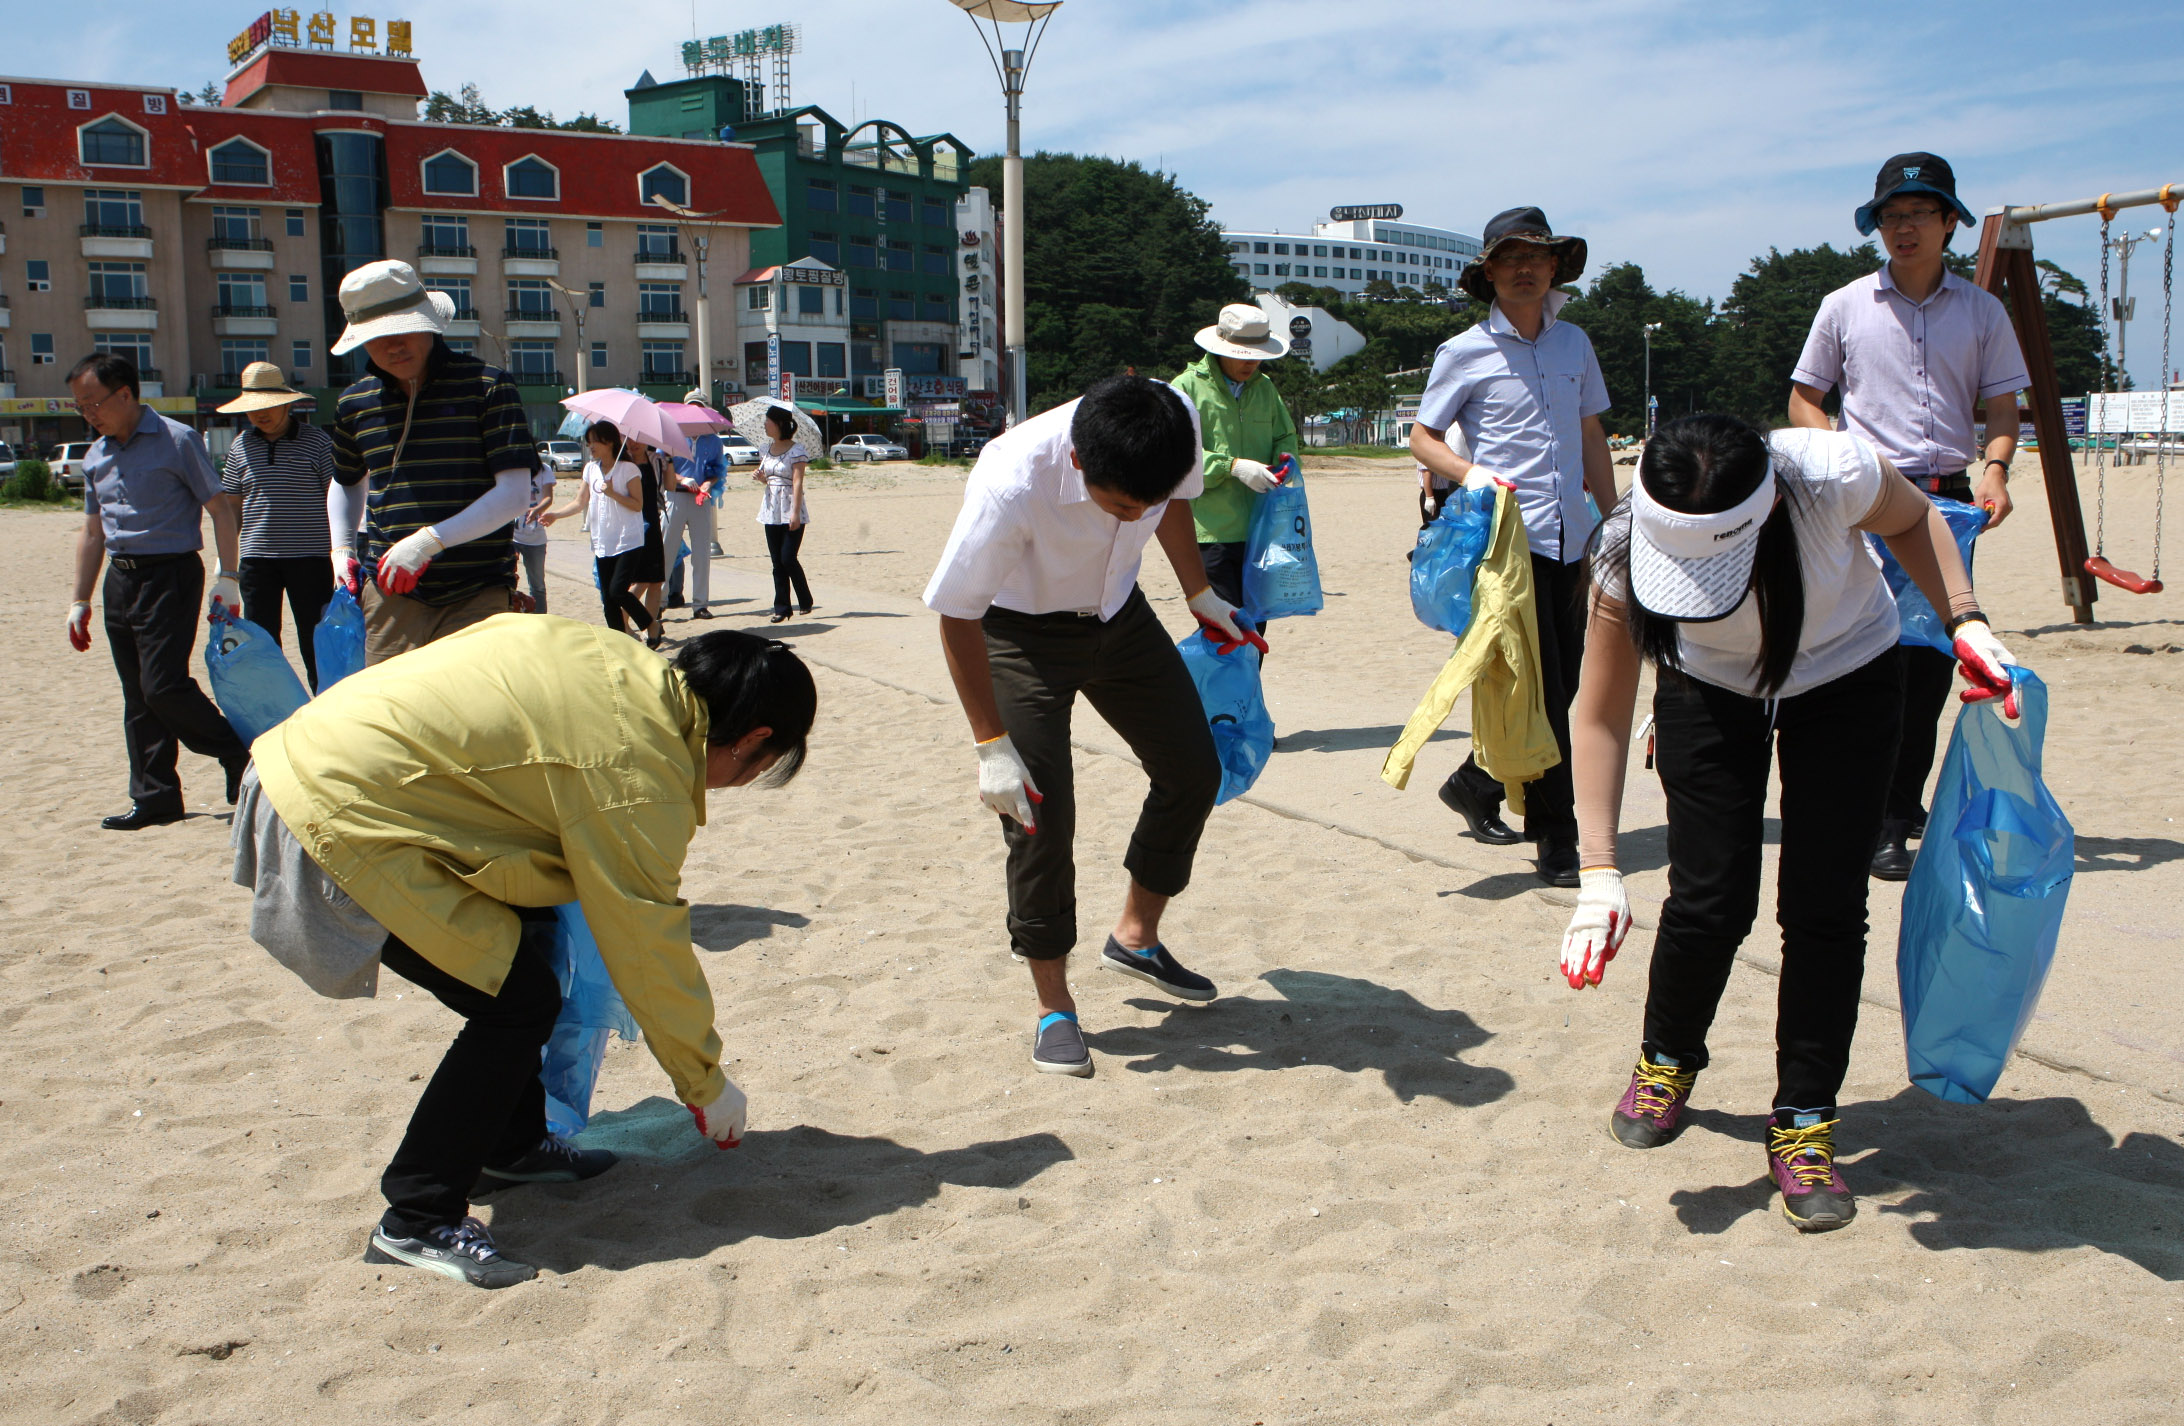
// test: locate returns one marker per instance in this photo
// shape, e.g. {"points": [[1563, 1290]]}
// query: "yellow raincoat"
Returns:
{"points": [[1498, 660]]}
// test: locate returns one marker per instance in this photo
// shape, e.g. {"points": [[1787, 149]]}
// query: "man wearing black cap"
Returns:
{"points": [[1916, 349], [1526, 392]]}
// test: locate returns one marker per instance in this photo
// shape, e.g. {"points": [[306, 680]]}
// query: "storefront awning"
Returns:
{"points": [[850, 408]]}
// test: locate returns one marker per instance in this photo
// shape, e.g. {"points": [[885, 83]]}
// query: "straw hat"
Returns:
{"points": [[1242, 331], [386, 299], [263, 386]]}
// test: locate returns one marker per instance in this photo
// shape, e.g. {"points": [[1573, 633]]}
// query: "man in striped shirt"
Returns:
{"points": [[440, 441]]}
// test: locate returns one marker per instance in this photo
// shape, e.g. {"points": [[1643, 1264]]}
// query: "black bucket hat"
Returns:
{"points": [[1912, 173], [1522, 225]]}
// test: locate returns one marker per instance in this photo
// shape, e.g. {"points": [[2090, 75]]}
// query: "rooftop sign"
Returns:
{"points": [[1389, 211], [286, 28]]}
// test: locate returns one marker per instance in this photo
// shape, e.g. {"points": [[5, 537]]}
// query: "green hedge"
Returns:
{"points": [[33, 481]]}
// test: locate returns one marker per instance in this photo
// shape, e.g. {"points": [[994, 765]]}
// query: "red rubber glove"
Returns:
{"points": [[1223, 622], [79, 626], [722, 1121], [1984, 663], [403, 565]]}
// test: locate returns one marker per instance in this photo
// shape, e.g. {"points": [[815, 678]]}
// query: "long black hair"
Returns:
{"points": [[748, 682], [1700, 465]]}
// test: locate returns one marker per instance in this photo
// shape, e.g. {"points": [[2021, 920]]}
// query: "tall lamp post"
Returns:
{"points": [[2121, 315], [697, 236], [578, 301], [1651, 328], [1010, 64]]}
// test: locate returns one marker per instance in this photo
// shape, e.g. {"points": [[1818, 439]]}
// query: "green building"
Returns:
{"points": [[873, 201]]}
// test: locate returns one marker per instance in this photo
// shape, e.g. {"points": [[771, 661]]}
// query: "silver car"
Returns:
{"points": [[868, 448], [561, 455]]}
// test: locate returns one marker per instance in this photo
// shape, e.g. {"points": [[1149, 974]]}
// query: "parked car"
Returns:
{"points": [[867, 448], [7, 460], [68, 464], [738, 449], [561, 455]]}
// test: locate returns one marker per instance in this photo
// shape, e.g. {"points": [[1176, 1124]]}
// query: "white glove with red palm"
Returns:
{"points": [[723, 1120], [1004, 783], [405, 563], [1597, 927], [1222, 622], [1984, 663]]}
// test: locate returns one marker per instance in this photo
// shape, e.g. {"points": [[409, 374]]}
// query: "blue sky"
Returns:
{"points": [[1681, 135]]}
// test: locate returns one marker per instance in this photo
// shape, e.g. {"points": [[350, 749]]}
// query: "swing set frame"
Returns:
{"points": [[2006, 270]]}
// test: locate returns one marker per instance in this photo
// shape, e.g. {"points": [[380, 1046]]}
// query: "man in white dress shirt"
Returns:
{"points": [[1038, 601]]}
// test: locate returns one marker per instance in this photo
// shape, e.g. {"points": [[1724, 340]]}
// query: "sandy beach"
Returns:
{"points": [[1370, 1184]]}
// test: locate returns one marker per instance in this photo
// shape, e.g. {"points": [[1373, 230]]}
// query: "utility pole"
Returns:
{"points": [[698, 237], [1651, 328], [578, 301], [2121, 315]]}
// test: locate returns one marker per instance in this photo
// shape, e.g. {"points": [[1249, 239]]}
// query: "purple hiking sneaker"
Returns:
{"points": [[1801, 1156], [1651, 1111]]}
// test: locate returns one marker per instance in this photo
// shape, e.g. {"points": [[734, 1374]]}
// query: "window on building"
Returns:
{"points": [[864, 306], [861, 201], [533, 358], [299, 356], [1318, 271], [934, 260], [119, 212], [862, 252], [458, 292], [1319, 249], [528, 237], [120, 284], [299, 287], [136, 346], [1243, 269], [896, 205], [663, 360], [235, 227], [1281, 249], [1372, 274], [918, 358], [936, 308], [352, 99], [1259, 268], [1258, 247], [659, 301], [295, 222], [596, 294], [41, 349], [242, 294], [237, 353], [450, 172], [530, 300], [33, 201], [37, 275], [599, 356], [901, 307], [240, 161], [821, 196], [661, 181], [936, 214], [1357, 274], [531, 178], [656, 242], [761, 298], [595, 235], [832, 359], [447, 234], [826, 247], [111, 141], [796, 358], [898, 256], [811, 301], [1281, 269], [467, 346], [754, 363]]}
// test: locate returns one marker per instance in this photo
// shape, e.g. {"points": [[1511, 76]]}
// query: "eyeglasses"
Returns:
{"points": [[1526, 256], [91, 408], [1908, 217]]}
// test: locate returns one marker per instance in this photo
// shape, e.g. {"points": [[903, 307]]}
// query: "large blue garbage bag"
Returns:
{"points": [[338, 646], [1281, 574], [1985, 901], [591, 1010], [251, 679], [1243, 731], [1445, 562], [1921, 625]]}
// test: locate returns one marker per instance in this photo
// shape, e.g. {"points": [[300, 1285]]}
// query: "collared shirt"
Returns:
{"points": [[525, 761], [1521, 406], [707, 463], [283, 486], [1030, 538], [464, 428], [1237, 420], [149, 491], [1911, 372]]}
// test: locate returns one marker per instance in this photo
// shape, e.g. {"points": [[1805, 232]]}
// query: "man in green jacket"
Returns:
{"points": [[1247, 434]]}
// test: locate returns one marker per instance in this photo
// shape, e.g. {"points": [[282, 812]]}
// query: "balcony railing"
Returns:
{"points": [[667, 378], [662, 314], [231, 309], [126, 304], [466, 314], [7, 375], [227, 379], [535, 378], [532, 314], [150, 373], [446, 250], [672, 254], [538, 254], [113, 230], [239, 245]]}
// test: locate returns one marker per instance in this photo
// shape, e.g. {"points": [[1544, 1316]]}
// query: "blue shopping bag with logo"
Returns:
{"points": [[591, 1011], [1243, 731], [1921, 625], [1445, 562], [251, 679], [1985, 901], [1281, 574], [338, 643]]}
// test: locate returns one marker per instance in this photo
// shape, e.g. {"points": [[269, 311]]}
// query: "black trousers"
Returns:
{"points": [[485, 1104], [153, 607], [1129, 670], [306, 581], [1835, 744], [1558, 594], [1928, 676], [1225, 569], [782, 543], [616, 574]]}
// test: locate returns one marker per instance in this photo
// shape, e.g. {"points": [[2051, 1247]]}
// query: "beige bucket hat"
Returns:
{"points": [[1242, 331], [263, 386], [385, 299]]}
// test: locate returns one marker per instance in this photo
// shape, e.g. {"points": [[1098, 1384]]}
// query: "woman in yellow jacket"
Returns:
{"points": [[1246, 431]]}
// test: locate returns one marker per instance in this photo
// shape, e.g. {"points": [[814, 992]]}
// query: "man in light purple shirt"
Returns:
{"points": [[1916, 350]]}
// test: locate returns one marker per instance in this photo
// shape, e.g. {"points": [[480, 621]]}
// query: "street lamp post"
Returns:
{"points": [[1010, 65], [2121, 316], [698, 238], [1651, 328], [577, 303]]}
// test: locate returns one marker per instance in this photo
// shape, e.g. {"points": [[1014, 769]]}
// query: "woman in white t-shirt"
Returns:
{"points": [[781, 469], [1738, 567], [613, 502]]}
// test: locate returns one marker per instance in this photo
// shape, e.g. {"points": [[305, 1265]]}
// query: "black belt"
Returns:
{"points": [[133, 563], [1941, 484]]}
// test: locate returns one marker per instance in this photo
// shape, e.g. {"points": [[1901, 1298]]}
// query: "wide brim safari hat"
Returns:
{"points": [[1522, 225], [1913, 173], [1243, 331], [386, 299], [263, 386]]}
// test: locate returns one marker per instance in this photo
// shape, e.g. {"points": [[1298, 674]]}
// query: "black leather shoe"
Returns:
{"points": [[1918, 828], [701, 613], [1558, 858], [1891, 858], [1484, 816], [140, 816], [235, 771], [678, 602]]}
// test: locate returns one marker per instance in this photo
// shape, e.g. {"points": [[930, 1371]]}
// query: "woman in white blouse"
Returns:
{"points": [[781, 469]]}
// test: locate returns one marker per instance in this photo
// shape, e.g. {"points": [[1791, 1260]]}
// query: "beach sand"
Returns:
{"points": [[1371, 1183]]}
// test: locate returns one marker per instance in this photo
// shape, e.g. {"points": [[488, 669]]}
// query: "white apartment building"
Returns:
{"points": [[1349, 254], [978, 355]]}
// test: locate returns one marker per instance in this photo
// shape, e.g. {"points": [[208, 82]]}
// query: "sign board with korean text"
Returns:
{"points": [[1388, 211], [892, 385], [773, 362], [287, 29]]}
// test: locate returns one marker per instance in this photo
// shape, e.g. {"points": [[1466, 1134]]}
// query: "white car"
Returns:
{"points": [[7, 460], [867, 448], [68, 464], [561, 455], [738, 449]]}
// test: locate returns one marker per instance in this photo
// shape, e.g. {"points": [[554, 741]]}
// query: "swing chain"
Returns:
{"points": [[2168, 400], [2108, 384]]}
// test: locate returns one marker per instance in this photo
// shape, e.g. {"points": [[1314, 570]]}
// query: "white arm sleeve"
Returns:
{"points": [[344, 512], [504, 504]]}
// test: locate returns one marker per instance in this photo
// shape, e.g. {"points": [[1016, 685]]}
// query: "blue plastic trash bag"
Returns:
{"points": [[1243, 731], [338, 646], [251, 679], [591, 1010], [1985, 901], [1446, 560], [1281, 574], [1921, 625]]}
